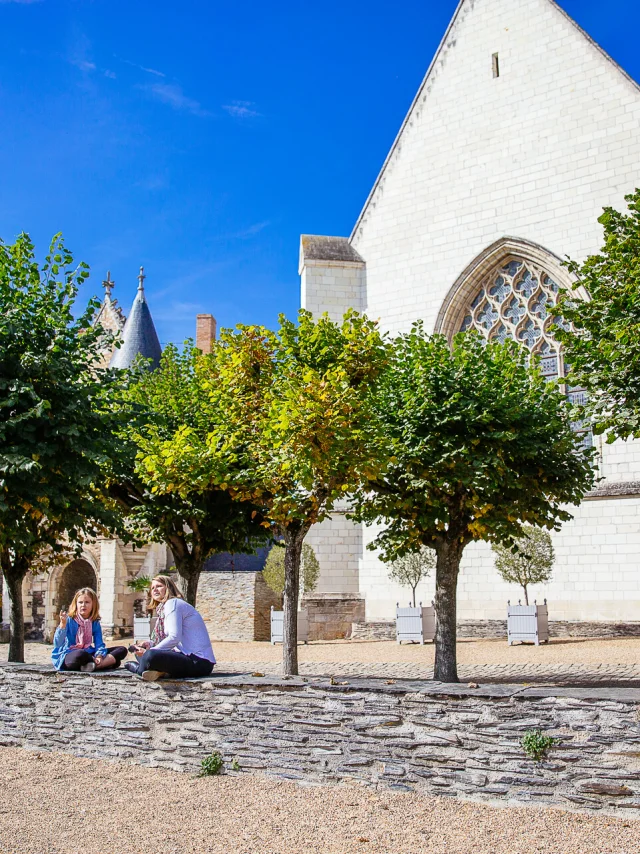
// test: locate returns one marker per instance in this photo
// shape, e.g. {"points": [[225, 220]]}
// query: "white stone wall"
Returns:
{"points": [[596, 574], [337, 543], [332, 286], [534, 154]]}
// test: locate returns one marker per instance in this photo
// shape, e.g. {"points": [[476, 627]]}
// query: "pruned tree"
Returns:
{"points": [[601, 334], [274, 575], [57, 420], [412, 568], [194, 523], [528, 561], [297, 430], [478, 445]]}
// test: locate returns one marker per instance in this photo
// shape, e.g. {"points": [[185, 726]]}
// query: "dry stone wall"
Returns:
{"points": [[386, 629], [423, 736], [236, 606]]}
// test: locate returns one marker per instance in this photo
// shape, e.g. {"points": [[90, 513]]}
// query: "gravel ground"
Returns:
{"points": [[618, 651], [57, 804]]}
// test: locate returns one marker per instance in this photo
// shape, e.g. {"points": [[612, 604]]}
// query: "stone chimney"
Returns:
{"points": [[205, 331]]}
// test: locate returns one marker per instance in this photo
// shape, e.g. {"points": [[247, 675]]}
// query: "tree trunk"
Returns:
{"points": [[413, 591], [449, 555], [526, 594], [16, 620], [188, 578], [293, 539]]}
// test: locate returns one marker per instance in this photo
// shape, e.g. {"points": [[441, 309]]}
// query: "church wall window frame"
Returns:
{"points": [[508, 292]]}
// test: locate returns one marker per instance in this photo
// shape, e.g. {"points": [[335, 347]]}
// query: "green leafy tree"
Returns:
{"points": [[297, 433], [194, 523], [412, 568], [479, 444], [528, 561], [57, 424], [273, 571], [601, 334]]}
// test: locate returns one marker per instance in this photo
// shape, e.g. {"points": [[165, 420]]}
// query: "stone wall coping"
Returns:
{"points": [[333, 597], [350, 685]]}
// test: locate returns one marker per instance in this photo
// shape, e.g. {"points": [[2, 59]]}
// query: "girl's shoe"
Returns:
{"points": [[152, 675], [88, 668]]}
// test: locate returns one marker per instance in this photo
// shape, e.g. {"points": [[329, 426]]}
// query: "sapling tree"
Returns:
{"points": [[297, 430], [273, 572], [601, 334], [528, 561], [478, 445], [412, 568], [57, 420]]}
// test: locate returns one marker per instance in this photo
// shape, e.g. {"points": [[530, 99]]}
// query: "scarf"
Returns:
{"points": [[84, 638], [158, 632]]}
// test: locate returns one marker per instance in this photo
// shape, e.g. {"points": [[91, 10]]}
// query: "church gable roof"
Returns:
{"points": [[436, 68], [139, 337]]}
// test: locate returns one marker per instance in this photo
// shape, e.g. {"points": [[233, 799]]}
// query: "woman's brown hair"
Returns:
{"points": [[172, 592], [95, 608]]}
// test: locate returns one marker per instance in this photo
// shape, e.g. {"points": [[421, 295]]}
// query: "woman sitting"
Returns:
{"points": [[180, 645], [77, 643]]}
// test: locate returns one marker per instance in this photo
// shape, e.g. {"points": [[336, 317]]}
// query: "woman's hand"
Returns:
{"points": [[63, 619], [142, 647]]}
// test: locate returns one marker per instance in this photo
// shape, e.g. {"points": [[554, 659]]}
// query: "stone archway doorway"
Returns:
{"points": [[79, 573]]}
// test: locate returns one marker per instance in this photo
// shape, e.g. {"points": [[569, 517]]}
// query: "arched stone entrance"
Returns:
{"points": [[79, 573], [63, 583]]}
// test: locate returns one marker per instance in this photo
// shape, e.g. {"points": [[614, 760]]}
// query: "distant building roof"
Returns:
{"points": [[139, 337], [226, 562], [315, 247]]}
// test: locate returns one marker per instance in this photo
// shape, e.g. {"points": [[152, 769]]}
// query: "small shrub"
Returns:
{"points": [[235, 765], [273, 572], [139, 585], [535, 744], [211, 765]]}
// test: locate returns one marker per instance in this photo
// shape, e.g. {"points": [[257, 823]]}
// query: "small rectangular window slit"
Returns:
{"points": [[495, 64]]}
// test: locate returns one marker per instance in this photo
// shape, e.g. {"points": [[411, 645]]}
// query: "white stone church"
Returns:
{"points": [[521, 132]]}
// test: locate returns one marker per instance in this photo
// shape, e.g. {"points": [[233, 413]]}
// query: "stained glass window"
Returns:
{"points": [[516, 302]]}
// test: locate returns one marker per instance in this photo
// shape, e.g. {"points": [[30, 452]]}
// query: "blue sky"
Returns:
{"points": [[202, 138]]}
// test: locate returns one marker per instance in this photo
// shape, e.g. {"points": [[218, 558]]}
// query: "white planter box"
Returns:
{"points": [[142, 627], [415, 624], [528, 623], [277, 625]]}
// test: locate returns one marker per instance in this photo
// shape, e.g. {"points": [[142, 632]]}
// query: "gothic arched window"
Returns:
{"points": [[516, 301]]}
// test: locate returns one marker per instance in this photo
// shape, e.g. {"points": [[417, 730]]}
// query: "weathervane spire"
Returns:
{"points": [[108, 285]]}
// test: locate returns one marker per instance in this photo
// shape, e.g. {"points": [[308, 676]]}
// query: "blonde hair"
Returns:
{"points": [[95, 608], [172, 592]]}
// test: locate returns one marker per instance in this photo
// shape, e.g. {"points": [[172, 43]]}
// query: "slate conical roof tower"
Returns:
{"points": [[139, 337]]}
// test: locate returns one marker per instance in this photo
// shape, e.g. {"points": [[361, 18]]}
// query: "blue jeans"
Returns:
{"points": [[175, 664]]}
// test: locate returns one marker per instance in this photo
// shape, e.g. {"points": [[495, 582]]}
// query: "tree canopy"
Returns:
{"points": [[195, 523], [57, 424], [479, 444], [601, 334], [528, 561], [297, 431]]}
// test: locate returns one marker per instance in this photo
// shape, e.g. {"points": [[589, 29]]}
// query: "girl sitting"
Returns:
{"points": [[180, 644], [77, 643]]}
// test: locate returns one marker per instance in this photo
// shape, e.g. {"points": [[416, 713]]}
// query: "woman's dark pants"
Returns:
{"points": [[175, 664]]}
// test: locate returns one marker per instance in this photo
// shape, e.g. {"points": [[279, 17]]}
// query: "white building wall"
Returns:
{"points": [[535, 153], [337, 543], [331, 286]]}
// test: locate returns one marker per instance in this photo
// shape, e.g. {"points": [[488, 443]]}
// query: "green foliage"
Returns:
{"points": [[140, 584], [479, 444], [290, 428], [196, 522], [410, 569], [601, 334], [273, 572], [211, 765], [235, 764], [535, 744], [57, 419], [528, 561]]}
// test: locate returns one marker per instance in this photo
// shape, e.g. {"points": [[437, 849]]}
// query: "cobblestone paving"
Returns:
{"points": [[558, 674]]}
